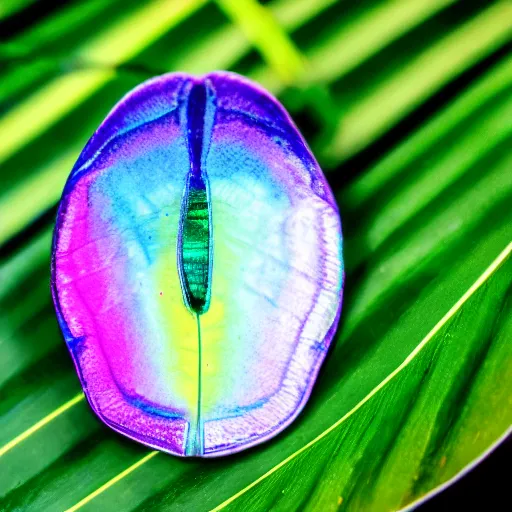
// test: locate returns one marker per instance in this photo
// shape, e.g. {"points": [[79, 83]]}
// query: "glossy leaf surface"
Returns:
{"points": [[423, 89]]}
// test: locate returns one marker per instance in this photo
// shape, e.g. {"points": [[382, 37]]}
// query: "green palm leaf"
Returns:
{"points": [[408, 106]]}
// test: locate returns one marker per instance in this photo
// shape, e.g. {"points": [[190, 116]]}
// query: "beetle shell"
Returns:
{"points": [[197, 267]]}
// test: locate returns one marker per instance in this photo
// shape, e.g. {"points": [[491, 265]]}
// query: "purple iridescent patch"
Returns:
{"points": [[197, 267]]}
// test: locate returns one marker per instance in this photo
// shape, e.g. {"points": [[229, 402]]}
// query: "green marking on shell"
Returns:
{"points": [[195, 246]]}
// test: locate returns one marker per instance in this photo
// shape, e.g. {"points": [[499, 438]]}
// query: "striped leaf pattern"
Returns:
{"points": [[408, 106]]}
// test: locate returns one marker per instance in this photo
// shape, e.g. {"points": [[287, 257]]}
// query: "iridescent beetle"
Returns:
{"points": [[197, 266]]}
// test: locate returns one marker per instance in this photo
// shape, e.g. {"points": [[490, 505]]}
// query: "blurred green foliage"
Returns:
{"points": [[408, 107]]}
